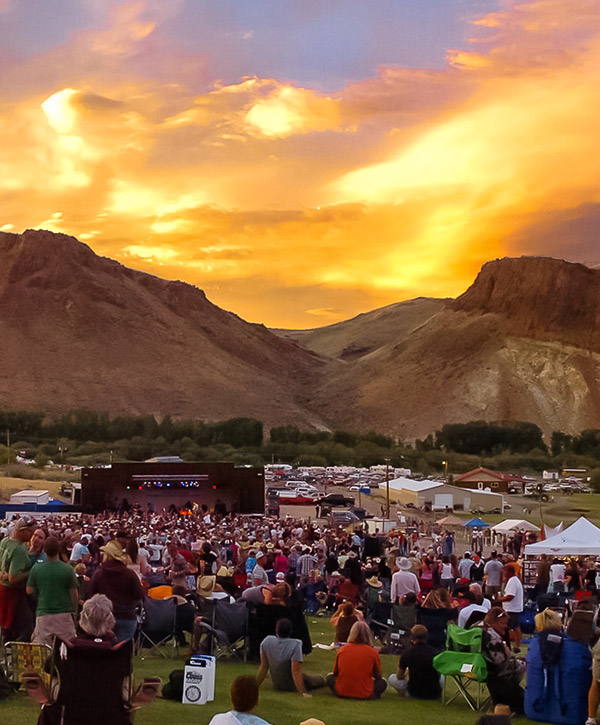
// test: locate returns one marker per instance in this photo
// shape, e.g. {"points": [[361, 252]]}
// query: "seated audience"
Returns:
{"points": [[424, 682], [97, 622], [344, 619], [504, 671], [357, 670], [244, 698], [281, 655]]}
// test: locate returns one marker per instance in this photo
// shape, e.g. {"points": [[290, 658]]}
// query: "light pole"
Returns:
{"points": [[387, 487], [445, 463]]}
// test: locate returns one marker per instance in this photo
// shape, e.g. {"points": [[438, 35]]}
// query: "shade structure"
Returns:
{"points": [[475, 524], [514, 525], [579, 539], [450, 521]]}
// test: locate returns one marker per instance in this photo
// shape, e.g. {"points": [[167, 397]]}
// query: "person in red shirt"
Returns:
{"points": [[357, 669]]}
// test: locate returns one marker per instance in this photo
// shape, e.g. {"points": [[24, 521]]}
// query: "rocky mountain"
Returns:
{"points": [[79, 330], [521, 343]]}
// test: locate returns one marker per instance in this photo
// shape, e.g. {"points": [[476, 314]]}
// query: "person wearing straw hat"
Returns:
{"points": [[343, 619], [404, 581], [122, 586], [373, 592]]}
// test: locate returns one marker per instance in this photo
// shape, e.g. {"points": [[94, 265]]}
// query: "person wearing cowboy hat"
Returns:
{"points": [[122, 586], [404, 581], [345, 616]]}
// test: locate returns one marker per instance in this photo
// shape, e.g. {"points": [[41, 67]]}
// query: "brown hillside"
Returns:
{"points": [[519, 344], [365, 333], [80, 330]]}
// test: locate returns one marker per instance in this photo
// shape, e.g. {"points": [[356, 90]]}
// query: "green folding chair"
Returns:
{"points": [[463, 663]]}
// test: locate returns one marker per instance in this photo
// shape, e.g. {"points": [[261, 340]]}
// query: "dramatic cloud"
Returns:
{"points": [[296, 206]]}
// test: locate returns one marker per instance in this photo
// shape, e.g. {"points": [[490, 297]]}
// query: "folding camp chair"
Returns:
{"points": [[230, 624], [27, 657], [92, 685], [463, 664], [437, 622], [379, 619], [158, 626]]}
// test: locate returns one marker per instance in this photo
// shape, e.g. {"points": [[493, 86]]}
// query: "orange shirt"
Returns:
{"points": [[355, 667]]}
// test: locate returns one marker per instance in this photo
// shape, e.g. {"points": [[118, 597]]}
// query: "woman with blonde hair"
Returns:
{"points": [[548, 620], [357, 669]]}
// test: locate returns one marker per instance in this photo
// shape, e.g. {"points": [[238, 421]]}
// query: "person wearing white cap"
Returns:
{"points": [[259, 575], [404, 581]]}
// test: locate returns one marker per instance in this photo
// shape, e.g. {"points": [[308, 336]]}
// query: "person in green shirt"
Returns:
{"points": [[54, 586], [16, 618]]}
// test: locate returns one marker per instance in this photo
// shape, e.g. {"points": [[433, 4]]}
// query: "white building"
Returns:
{"points": [[439, 496]]}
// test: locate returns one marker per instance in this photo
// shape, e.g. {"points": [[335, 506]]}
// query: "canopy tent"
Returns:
{"points": [[579, 539], [514, 525], [475, 524], [450, 521]]}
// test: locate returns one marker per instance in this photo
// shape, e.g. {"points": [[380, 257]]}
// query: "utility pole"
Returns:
{"points": [[7, 447], [540, 489], [62, 447], [387, 487]]}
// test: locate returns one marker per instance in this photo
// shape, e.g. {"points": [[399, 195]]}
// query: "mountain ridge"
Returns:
{"points": [[80, 330]]}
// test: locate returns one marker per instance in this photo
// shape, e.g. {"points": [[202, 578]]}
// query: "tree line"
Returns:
{"points": [[86, 437]]}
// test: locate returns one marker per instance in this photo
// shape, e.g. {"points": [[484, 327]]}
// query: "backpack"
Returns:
{"points": [[173, 689]]}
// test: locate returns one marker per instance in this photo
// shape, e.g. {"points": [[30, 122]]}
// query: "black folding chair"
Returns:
{"points": [[93, 685], [158, 626], [379, 619], [228, 625]]}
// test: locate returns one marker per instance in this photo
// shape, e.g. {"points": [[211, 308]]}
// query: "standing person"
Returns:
{"points": [[465, 565], [259, 575], [404, 581], [557, 576], [282, 656], [36, 546], [16, 617], [446, 574], [121, 586], [178, 567], [492, 575], [54, 586], [448, 544], [477, 570], [512, 603]]}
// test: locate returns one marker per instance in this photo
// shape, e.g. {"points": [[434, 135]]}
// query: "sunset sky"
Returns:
{"points": [[300, 160]]}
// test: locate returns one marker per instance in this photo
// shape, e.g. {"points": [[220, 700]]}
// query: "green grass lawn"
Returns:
{"points": [[276, 707]]}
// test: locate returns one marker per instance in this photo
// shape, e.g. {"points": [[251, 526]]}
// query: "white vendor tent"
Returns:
{"points": [[514, 525], [580, 539]]}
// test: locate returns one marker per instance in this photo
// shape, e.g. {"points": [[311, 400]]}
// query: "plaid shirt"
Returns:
{"points": [[305, 563]]}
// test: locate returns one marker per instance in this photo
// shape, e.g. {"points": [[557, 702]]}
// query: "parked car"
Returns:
{"points": [[336, 499], [343, 518]]}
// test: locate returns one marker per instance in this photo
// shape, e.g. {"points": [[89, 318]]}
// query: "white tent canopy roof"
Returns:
{"points": [[579, 539], [408, 484], [515, 525]]}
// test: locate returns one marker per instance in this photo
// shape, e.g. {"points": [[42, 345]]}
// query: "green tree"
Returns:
{"points": [[595, 480], [41, 460]]}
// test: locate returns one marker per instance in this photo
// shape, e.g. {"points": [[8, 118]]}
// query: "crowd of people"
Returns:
{"points": [[50, 569]]}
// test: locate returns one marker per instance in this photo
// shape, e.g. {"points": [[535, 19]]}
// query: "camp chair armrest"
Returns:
{"points": [[146, 691], [35, 687]]}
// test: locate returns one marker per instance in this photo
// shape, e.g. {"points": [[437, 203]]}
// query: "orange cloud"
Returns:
{"points": [[291, 206]]}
